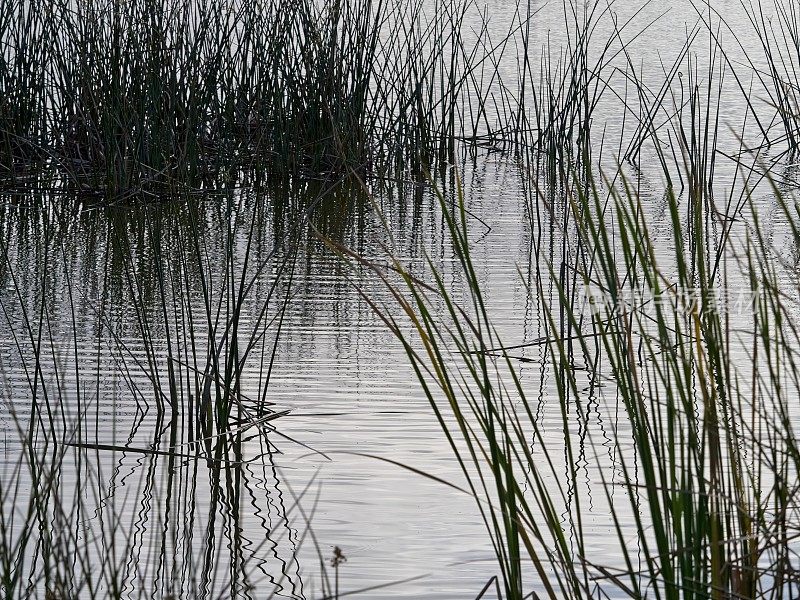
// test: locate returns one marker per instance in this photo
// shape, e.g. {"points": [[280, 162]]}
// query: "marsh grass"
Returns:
{"points": [[23, 120], [96, 504], [164, 96], [698, 460], [775, 26], [673, 384], [704, 442]]}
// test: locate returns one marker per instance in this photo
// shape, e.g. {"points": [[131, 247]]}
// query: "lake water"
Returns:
{"points": [[312, 480]]}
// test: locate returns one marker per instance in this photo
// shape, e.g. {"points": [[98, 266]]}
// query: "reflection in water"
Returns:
{"points": [[140, 450], [183, 383], [178, 386]]}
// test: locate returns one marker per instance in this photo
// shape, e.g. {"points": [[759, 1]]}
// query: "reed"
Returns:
{"points": [[141, 490], [165, 96], [680, 409], [703, 444], [23, 117]]}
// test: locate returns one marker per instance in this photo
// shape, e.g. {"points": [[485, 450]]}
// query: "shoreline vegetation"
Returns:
{"points": [[160, 97], [168, 96], [141, 111]]}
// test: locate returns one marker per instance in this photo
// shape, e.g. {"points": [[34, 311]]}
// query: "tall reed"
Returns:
{"points": [[691, 361], [128, 466], [161, 96]]}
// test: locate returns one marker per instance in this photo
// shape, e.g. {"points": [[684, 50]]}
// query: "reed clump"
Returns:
{"points": [[170, 437], [703, 447], [162, 96], [23, 120]]}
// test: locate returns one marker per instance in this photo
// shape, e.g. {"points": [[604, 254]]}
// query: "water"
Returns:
{"points": [[337, 370], [268, 517]]}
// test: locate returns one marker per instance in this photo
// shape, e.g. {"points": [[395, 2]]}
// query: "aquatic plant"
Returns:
{"points": [[699, 456], [164, 96], [140, 491]]}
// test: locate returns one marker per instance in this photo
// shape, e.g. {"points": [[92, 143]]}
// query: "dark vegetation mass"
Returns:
{"points": [[162, 96]]}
